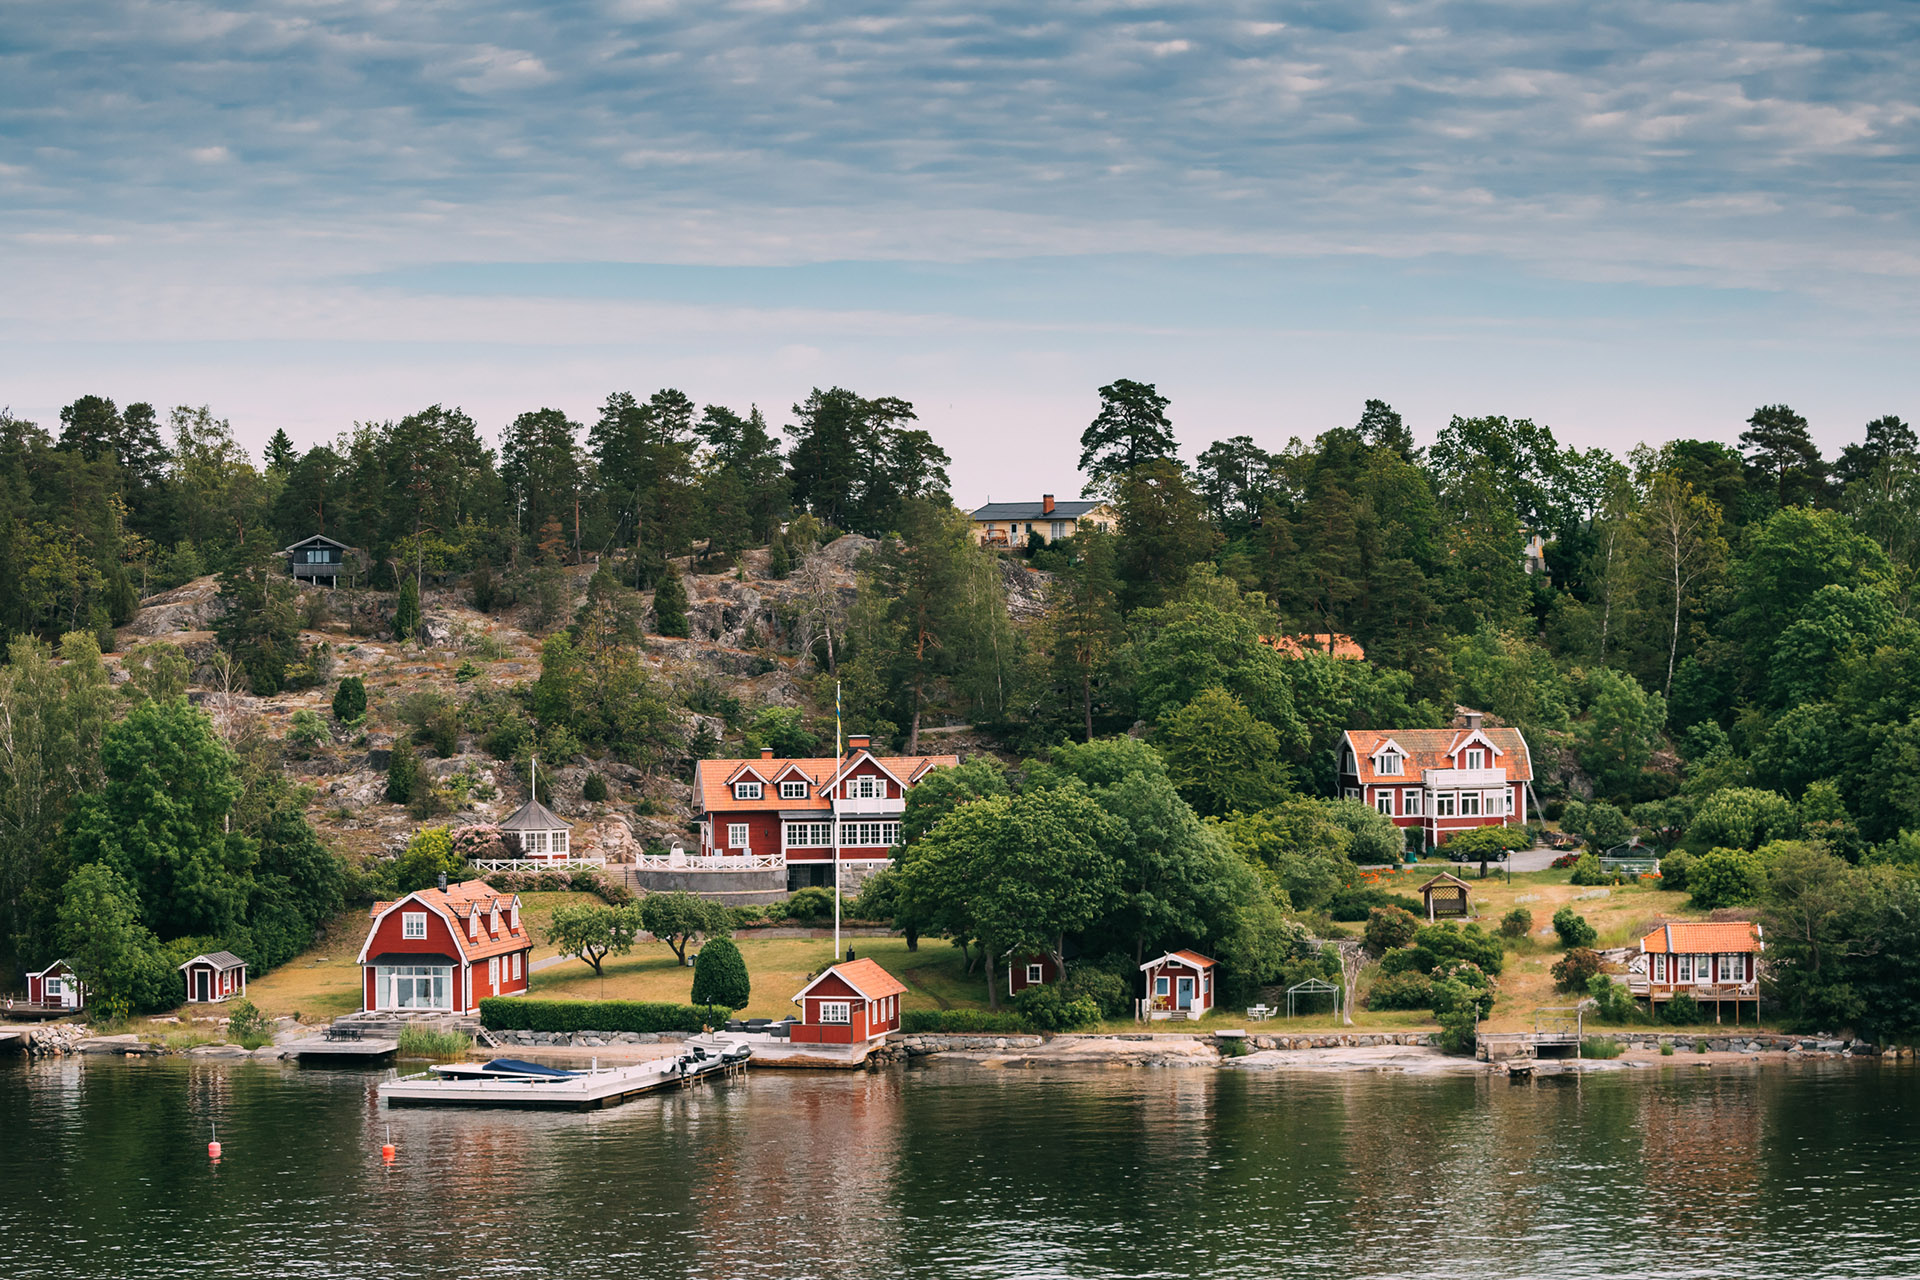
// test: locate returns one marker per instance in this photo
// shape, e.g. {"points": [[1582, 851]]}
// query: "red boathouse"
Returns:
{"points": [[1179, 985], [56, 987], [849, 1003], [216, 976], [445, 950]]}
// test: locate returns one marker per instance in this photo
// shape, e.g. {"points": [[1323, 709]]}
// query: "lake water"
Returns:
{"points": [[956, 1170]]}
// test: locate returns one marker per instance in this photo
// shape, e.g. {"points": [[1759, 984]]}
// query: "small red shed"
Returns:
{"points": [[849, 1003], [445, 949], [216, 976], [1030, 971], [56, 987], [1179, 985]]}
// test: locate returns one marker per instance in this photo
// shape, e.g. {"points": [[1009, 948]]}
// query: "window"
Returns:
{"points": [[865, 787], [414, 986], [493, 918], [513, 917], [836, 1011], [413, 924], [736, 835], [560, 841], [1444, 804], [1036, 974], [1410, 802], [53, 987], [493, 972], [1391, 764], [791, 790], [1469, 804], [746, 791], [516, 966], [1160, 986], [1476, 758], [532, 842], [1353, 793], [809, 835], [1660, 968], [1383, 801], [869, 835], [1683, 968]]}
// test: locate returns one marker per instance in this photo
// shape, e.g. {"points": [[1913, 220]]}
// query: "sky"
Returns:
{"points": [[1630, 220]]}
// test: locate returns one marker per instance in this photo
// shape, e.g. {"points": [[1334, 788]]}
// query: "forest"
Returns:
{"points": [[1710, 644]]}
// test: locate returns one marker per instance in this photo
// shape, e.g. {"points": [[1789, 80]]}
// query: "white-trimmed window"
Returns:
{"points": [[838, 1012], [493, 918], [746, 790], [809, 835], [1036, 974], [533, 842], [869, 835], [736, 835], [1476, 758], [1390, 764], [1410, 802], [513, 917], [1683, 968], [413, 924], [1383, 800], [1469, 804], [865, 787], [793, 790], [1160, 985], [516, 966], [53, 988], [493, 972], [560, 841], [1353, 793], [473, 925], [1444, 804], [1660, 967]]}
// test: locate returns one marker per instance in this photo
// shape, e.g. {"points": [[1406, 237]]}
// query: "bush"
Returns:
{"points": [[1457, 1032], [1389, 929], [670, 604], [1587, 871], [594, 789], [1571, 971], [720, 975], [811, 903], [1564, 861], [1437, 945], [1612, 1001], [1402, 991], [1573, 928], [879, 897], [745, 917], [1053, 1008], [403, 774], [1351, 905], [247, 1025], [1517, 923], [406, 615], [307, 730], [1681, 1011], [1725, 878], [1111, 994], [516, 1013], [350, 701], [961, 1020], [1597, 1047]]}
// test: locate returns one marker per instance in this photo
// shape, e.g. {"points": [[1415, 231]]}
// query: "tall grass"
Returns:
{"points": [[1594, 1047], [422, 1042]]}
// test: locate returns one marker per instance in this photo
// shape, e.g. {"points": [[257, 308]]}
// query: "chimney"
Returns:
{"points": [[859, 742], [1046, 504], [1473, 722], [443, 882], [766, 753]]}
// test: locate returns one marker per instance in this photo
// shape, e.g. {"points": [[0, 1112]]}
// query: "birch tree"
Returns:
{"points": [[1680, 553]]}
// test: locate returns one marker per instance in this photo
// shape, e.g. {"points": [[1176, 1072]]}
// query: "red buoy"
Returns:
{"points": [[386, 1153], [213, 1150]]}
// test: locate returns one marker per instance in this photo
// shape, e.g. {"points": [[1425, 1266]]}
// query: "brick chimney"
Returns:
{"points": [[859, 742], [1473, 722], [1046, 504], [766, 753]]}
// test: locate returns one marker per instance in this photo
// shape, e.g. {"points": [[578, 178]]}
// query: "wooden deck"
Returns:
{"points": [[37, 1012], [323, 1047], [605, 1087]]}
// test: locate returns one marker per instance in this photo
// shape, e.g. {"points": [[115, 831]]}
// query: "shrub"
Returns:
{"points": [[403, 773], [1457, 1032], [962, 1020], [879, 897], [747, 916], [1725, 878], [515, 1013], [1351, 905], [465, 672], [670, 604], [720, 975], [1573, 928], [1402, 991], [1675, 869], [594, 789], [1564, 861], [247, 1025], [1586, 870], [1442, 944], [307, 730], [1666, 1048], [406, 615], [1571, 971], [1612, 1001], [1111, 994], [350, 701], [1389, 929], [423, 1042], [1598, 1047], [1517, 923], [1053, 1008], [811, 903], [1681, 1011]]}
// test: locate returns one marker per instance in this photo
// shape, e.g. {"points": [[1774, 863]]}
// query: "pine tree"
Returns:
{"points": [[406, 617], [779, 559], [403, 773], [350, 700], [720, 975], [280, 452], [670, 605]]}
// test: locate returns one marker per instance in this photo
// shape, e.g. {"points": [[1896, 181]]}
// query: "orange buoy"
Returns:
{"points": [[386, 1153], [213, 1150]]}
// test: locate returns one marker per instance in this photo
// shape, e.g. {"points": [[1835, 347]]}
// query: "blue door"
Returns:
{"points": [[1185, 997]]}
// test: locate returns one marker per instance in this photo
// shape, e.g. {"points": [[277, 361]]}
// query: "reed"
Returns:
{"points": [[423, 1042]]}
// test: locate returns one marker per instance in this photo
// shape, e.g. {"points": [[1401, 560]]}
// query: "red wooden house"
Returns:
{"points": [[445, 949], [56, 987], [215, 976], [1712, 961], [1180, 984], [774, 812], [1030, 971], [849, 1003], [1439, 782]]}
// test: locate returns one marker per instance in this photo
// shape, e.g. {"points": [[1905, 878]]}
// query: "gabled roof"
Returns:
{"points": [[1697, 937], [864, 976], [1336, 643], [456, 905], [220, 960], [1036, 510], [1444, 879], [1431, 748], [713, 780], [1193, 958], [57, 964], [534, 816], [310, 539]]}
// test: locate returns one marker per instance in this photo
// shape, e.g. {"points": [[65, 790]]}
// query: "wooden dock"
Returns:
{"points": [[323, 1047], [588, 1091]]}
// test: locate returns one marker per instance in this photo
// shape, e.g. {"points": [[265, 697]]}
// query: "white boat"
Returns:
{"points": [[512, 1082]]}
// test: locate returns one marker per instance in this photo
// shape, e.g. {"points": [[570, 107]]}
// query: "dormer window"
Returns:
{"points": [[513, 917], [865, 787], [747, 790], [1476, 758], [493, 919], [473, 925], [793, 790], [1390, 764]]}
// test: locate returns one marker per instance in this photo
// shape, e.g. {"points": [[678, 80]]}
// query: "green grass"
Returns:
{"points": [[1593, 1047], [420, 1042]]}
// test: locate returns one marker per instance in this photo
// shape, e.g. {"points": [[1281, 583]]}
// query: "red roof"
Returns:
{"points": [[459, 902], [1193, 958], [1435, 749], [1694, 937], [1339, 644], [864, 976], [713, 779]]}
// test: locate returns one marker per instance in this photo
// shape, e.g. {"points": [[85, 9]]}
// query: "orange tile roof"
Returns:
{"points": [[712, 779], [1432, 748], [1694, 937], [460, 901], [1339, 644], [868, 978], [1193, 958]]}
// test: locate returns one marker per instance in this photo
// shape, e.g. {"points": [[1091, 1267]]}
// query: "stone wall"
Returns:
{"points": [[583, 1039]]}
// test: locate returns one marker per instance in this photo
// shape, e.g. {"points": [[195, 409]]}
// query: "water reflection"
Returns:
{"points": [[965, 1171]]}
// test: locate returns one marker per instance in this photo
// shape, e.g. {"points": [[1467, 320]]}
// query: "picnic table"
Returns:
{"points": [[1260, 1013]]}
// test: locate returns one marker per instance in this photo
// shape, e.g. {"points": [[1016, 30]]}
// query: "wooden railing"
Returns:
{"points": [[712, 862], [538, 864]]}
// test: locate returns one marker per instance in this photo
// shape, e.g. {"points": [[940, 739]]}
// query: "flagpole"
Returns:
{"points": [[837, 757]]}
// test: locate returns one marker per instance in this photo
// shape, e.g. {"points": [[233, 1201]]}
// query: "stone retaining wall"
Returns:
{"points": [[584, 1039]]}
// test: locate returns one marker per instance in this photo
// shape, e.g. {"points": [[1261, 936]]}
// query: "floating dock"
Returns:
{"points": [[578, 1091], [320, 1047]]}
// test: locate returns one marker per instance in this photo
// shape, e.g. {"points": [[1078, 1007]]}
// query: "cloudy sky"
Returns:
{"points": [[1630, 220]]}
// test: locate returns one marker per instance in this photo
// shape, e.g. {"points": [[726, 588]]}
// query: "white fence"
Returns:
{"points": [[713, 862], [538, 864]]}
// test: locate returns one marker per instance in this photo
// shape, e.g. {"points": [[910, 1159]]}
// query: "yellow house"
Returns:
{"points": [[1001, 524]]}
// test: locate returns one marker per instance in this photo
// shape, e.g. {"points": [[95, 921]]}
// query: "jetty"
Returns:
{"points": [[551, 1089]]}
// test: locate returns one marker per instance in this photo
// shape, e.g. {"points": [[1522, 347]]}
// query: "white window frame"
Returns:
{"points": [[516, 966], [809, 835], [413, 925], [793, 790], [836, 1013], [1036, 975], [1469, 804], [560, 841], [747, 790], [1391, 764], [1353, 793], [867, 786], [1410, 802], [1476, 758], [1682, 967], [493, 971], [52, 988], [1383, 800], [1160, 986], [1660, 966], [737, 835], [1445, 804], [533, 842]]}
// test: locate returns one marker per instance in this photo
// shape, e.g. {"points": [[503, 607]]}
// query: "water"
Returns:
{"points": [[963, 1171]]}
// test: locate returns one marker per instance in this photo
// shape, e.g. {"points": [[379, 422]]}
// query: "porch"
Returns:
{"points": [[37, 1010]]}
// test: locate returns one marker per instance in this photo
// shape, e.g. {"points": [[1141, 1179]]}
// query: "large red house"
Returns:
{"points": [[848, 1004], [789, 813], [445, 949], [1439, 782]]}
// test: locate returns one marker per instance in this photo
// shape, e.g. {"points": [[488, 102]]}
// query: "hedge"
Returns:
{"points": [[511, 1013], [963, 1020]]}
